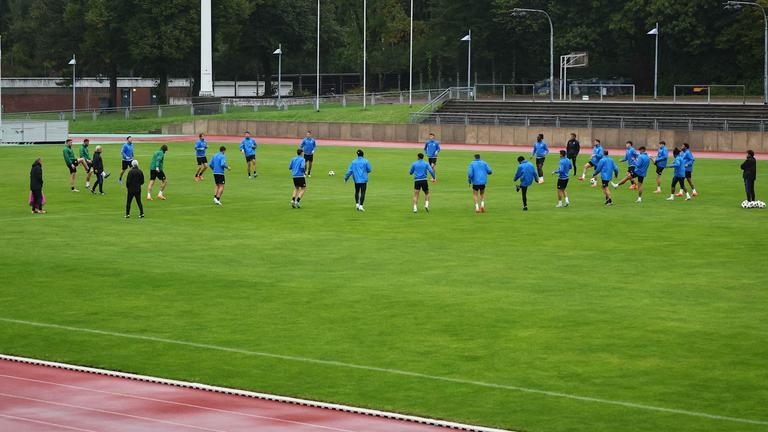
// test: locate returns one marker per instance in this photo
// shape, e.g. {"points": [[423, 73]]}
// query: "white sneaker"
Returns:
{"points": [[671, 198], [415, 210], [567, 202], [217, 202], [639, 200], [87, 185], [361, 209], [687, 196], [75, 190], [615, 185], [559, 205], [357, 206]]}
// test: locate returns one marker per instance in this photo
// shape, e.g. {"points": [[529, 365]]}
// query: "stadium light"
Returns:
{"points": [[468, 40], [655, 31], [279, 53], [317, 76], [736, 5], [1, 89], [410, 67], [73, 63], [365, 59], [521, 12]]}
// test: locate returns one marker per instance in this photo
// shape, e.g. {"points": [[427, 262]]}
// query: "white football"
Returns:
{"points": [[745, 204], [760, 204], [751, 204], [593, 181], [331, 173]]}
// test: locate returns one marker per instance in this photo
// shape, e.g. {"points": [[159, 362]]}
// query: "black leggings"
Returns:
{"points": [[540, 166], [680, 180], [37, 199], [99, 182], [573, 162], [524, 190], [360, 192], [131, 196], [749, 185]]}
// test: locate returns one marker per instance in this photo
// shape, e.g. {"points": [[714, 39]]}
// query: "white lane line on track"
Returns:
{"points": [[398, 372], [45, 423], [148, 419], [177, 403]]}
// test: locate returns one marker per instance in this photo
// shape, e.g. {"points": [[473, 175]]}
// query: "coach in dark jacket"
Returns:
{"points": [[572, 149], [98, 168], [36, 186], [749, 168], [133, 183]]}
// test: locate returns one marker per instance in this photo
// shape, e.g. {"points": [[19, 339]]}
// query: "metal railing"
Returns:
{"points": [[601, 89], [461, 93], [505, 92], [708, 88], [588, 121]]}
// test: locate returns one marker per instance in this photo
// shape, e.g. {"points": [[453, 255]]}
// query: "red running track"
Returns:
{"points": [[43, 398]]}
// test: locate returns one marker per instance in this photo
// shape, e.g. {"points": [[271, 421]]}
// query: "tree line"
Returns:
{"points": [[701, 42]]}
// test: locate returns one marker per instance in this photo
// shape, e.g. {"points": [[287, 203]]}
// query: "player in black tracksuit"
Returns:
{"points": [[133, 182], [572, 150], [98, 168], [36, 186], [749, 168]]}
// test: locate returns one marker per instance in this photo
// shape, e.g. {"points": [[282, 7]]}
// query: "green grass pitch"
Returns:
{"points": [[622, 316]]}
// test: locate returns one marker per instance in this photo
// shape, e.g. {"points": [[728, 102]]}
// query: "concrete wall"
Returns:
{"points": [[477, 134]]}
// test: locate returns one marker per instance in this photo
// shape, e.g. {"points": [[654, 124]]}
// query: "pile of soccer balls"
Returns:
{"points": [[752, 204]]}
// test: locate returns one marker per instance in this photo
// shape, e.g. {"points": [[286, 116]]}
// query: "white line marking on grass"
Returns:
{"points": [[394, 372], [44, 423]]}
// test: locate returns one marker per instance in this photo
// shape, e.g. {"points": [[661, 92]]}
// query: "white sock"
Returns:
{"points": [[687, 195], [426, 203], [414, 208], [482, 203], [567, 201], [559, 203], [160, 194], [477, 207], [694, 191]]}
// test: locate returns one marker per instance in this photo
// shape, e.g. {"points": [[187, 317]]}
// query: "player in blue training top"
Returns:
{"points": [[298, 168], [308, 146], [540, 152], [607, 169], [202, 161], [630, 157], [248, 149], [641, 171], [420, 169], [432, 149], [359, 170], [597, 154], [563, 174], [662, 154], [218, 165], [527, 175], [679, 175], [127, 157], [689, 160], [477, 175]]}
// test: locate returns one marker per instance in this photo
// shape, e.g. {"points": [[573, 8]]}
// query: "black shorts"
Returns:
{"points": [[299, 182], [688, 174], [540, 160], [421, 185], [659, 170], [309, 157], [250, 158], [562, 184], [71, 169], [605, 183], [480, 188], [218, 178], [126, 164], [154, 174], [639, 178], [432, 161], [631, 170], [202, 160], [592, 164], [676, 180]]}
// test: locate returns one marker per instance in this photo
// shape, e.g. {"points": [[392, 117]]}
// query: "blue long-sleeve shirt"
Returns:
{"points": [[526, 173], [248, 146], [432, 148], [308, 145], [564, 168], [597, 154], [607, 169], [358, 170], [630, 156], [478, 172], [661, 157], [297, 166], [679, 165], [540, 149], [420, 169], [127, 152], [643, 162], [689, 160], [218, 163], [200, 147]]}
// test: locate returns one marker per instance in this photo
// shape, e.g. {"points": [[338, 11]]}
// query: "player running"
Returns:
{"points": [[72, 163], [477, 175], [597, 154], [563, 173], [248, 149], [298, 167], [218, 165], [359, 170], [126, 153], [540, 151], [419, 170], [641, 170], [432, 149], [572, 149], [86, 156], [308, 145], [607, 169], [156, 172], [689, 160], [527, 174], [662, 154], [679, 175], [202, 161], [630, 157]]}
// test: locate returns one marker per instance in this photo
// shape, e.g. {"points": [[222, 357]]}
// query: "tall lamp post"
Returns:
{"points": [[279, 53], [524, 12], [365, 41], [1, 89], [73, 63], [737, 5], [317, 76], [655, 32], [468, 40], [410, 67]]}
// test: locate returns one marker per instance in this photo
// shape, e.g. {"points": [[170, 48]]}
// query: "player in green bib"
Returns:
{"points": [[72, 163], [85, 155], [156, 172]]}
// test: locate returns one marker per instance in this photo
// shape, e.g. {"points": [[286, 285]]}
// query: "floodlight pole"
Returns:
{"points": [[410, 67], [736, 4], [206, 50], [469, 60], [551, 49], [279, 52], [317, 75], [1, 90], [73, 62], [656, 67], [365, 59]]}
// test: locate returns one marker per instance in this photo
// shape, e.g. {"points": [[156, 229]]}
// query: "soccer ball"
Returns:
{"points": [[331, 173], [760, 204], [745, 204], [751, 204], [593, 182]]}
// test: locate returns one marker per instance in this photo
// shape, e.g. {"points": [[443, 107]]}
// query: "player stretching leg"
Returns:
{"points": [[72, 163], [679, 177], [662, 155], [631, 158], [563, 173], [641, 170], [86, 156], [607, 169], [689, 160], [156, 172], [527, 175], [419, 170], [597, 154]]}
